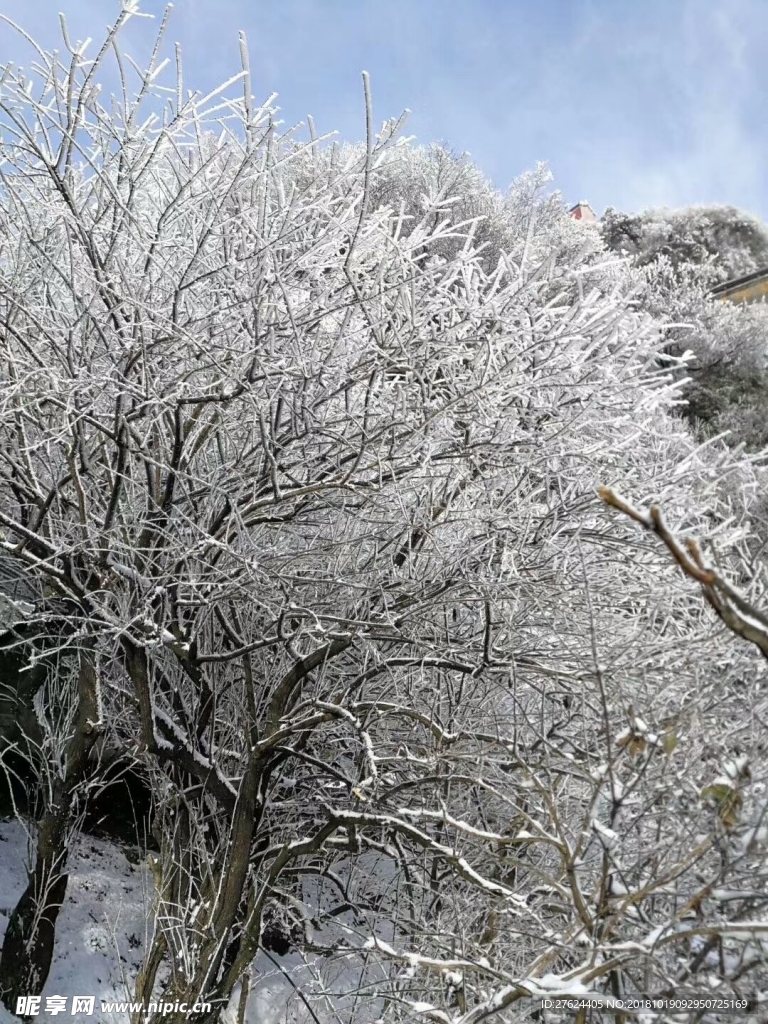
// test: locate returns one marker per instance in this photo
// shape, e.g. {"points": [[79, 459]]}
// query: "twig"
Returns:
{"points": [[735, 611]]}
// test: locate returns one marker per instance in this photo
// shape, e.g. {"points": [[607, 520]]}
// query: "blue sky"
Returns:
{"points": [[633, 103]]}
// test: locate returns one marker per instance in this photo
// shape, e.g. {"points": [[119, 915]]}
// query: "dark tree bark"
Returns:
{"points": [[28, 948], [18, 685]]}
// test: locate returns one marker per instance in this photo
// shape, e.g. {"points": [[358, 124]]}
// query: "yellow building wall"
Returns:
{"points": [[749, 293]]}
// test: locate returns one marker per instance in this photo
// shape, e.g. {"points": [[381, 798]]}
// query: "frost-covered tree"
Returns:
{"points": [[683, 254], [304, 482], [725, 241]]}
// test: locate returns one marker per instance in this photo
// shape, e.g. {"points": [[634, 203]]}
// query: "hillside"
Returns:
{"points": [[682, 254], [724, 241]]}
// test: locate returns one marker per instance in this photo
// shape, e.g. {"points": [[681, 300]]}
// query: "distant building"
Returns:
{"points": [[583, 211], [749, 288]]}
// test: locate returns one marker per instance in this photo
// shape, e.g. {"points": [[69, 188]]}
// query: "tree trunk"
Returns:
{"points": [[28, 947], [18, 686]]}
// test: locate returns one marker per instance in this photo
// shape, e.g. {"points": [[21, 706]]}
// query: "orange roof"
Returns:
{"points": [[582, 211]]}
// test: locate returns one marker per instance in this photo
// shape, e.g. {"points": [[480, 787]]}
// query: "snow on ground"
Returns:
{"points": [[103, 931]]}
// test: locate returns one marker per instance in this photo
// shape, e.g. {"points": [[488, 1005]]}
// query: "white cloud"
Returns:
{"points": [[632, 104]]}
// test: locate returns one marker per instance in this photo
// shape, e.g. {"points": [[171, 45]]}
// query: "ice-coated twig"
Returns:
{"points": [[733, 609]]}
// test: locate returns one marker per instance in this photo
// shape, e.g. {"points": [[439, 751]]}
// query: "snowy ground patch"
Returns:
{"points": [[103, 931]]}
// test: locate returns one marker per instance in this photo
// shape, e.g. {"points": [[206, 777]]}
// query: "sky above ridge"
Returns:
{"points": [[632, 103]]}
